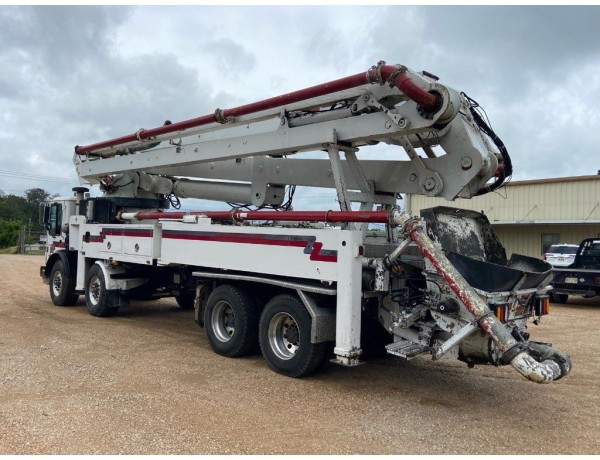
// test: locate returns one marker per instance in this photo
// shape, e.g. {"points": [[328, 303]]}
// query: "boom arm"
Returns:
{"points": [[246, 149]]}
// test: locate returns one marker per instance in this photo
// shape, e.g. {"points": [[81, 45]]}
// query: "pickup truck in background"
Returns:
{"points": [[582, 277]]}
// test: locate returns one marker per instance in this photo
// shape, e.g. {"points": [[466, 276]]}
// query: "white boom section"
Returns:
{"points": [[242, 150]]}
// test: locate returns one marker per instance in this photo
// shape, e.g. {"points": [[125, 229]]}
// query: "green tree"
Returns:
{"points": [[17, 212], [9, 232], [33, 197], [36, 195], [13, 207]]}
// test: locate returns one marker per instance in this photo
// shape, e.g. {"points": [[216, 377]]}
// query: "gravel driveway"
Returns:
{"points": [[146, 382]]}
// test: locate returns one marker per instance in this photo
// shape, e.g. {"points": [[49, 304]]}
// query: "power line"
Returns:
{"points": [[37, 177], [30, 175]]}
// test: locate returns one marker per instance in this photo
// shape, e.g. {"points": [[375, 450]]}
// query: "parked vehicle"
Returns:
{"points": [[582, 277], [561, 255]]}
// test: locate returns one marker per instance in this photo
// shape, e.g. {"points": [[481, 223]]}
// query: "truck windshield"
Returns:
{"points": [[593, 249]]}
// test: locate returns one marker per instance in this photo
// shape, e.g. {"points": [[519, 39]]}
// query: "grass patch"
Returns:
{"points": [[11, 250]]}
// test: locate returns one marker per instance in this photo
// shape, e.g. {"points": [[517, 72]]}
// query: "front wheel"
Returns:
{"points": [[284, 334], [62, 286], [96, 298]]}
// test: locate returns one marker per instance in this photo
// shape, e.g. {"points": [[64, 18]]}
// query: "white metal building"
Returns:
{"points": [[529, 216]]}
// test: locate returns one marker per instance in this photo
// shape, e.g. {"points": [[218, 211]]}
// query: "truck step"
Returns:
{"points": [[406, 349]]}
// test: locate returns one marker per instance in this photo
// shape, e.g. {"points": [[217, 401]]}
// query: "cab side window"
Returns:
{"points": [[53, 219]]}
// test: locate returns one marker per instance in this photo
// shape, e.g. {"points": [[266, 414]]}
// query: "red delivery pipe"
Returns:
{"points": [[381, 217], [395, 75]]}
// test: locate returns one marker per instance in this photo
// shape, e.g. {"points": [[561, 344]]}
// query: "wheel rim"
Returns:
{"points": [[94, 290], [223, 321], [57, 283], [284, 336]]}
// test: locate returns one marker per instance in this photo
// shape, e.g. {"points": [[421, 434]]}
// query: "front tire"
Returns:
{"points": [[62, 286], [96, 298], [231, 321], [284, 334]]}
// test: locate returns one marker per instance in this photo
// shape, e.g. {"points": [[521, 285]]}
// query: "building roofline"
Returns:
{"points": [[553, 180], [545, 222]]}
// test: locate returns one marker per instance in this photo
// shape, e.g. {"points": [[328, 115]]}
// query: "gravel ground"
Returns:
{"points": [[146, 382]]}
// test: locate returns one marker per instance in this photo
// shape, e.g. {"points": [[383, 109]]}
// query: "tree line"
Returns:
{"points": [[19, 212]]}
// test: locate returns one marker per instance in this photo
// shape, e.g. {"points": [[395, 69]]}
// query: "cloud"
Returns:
{"points": [[534, 70], [72, 86], [56, 41], [230, 56], [78, 75]]}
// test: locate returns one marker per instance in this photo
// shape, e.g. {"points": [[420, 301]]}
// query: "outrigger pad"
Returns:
{"points": [[472, 246]]}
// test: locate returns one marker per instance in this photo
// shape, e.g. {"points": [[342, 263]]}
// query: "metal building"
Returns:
{"points": [[529, 216]]}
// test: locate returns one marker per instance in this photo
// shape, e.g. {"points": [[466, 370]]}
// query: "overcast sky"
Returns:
{"points": [[78, 75]]}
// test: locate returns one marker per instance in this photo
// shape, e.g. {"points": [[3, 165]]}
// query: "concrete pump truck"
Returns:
{"points": [[310, 286]]}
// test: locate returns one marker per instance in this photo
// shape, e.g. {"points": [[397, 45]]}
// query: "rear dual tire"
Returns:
{"points": [[231, 321], [233, 328], [284, 335]]}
